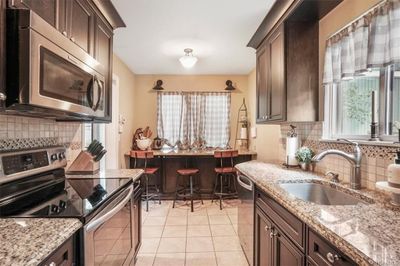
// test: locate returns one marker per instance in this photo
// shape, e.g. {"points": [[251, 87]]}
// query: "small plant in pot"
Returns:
{"points": [[304, 156]]}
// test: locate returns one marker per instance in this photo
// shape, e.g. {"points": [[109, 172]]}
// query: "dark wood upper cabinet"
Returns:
{"points": [[47, 9], [81, 24], [287, 44]]}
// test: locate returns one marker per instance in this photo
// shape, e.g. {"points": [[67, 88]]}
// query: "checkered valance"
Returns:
{"points": [[370, 42], [194, 119]]}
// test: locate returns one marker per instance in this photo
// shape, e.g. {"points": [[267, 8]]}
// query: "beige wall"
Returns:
{"points": [[266, 144], [339, 17], [126, 105], [146, 99]]}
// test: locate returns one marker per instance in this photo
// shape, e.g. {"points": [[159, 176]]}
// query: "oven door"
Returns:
{"points": [[59, 80], [109, 236]]}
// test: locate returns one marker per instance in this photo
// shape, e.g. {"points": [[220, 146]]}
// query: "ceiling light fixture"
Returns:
{"points": [[188, 60]]}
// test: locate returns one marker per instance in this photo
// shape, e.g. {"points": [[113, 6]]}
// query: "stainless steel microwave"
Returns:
{"points": [[47, 74]]}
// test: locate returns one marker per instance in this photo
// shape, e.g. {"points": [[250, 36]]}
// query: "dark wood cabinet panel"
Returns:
{"points": [[262, 92], [80, 24], [263, 240], [276, 82], [271, 89], [2, 54], [47, 9], [322, 253], [285, 252], [64, 255]]}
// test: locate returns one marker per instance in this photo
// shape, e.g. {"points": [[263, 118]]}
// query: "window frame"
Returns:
{"points": [[385, 99]]}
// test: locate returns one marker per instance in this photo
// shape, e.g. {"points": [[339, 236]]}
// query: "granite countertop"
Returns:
{"points": [[112, 173], [29, 241], [175, 152], [367, 233]]}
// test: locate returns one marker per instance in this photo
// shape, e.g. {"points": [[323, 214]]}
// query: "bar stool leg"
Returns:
{"points": [[191, 192], [147, 192], [220, 194], [215, 187], [176, 191]]}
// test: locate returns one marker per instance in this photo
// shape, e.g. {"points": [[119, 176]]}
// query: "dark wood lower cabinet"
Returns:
{"points": [[279, 238], [64, 255], [286, 253]]}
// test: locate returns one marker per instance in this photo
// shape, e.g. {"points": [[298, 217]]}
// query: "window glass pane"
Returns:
{"points": [[171, 112], [395, 101], [217, 120], [354, 104]]}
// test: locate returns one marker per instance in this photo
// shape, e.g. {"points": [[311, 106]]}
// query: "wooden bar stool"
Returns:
{"points": [[150, 191], [189, 188], [225, 175]]}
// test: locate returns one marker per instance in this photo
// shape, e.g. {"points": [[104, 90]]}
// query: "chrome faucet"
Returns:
{"points": [[354, 159]]}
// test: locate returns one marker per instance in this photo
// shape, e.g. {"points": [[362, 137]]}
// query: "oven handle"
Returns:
{"points": [[243, 184], [93, 225]]}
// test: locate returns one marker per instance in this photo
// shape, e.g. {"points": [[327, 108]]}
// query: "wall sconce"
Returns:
{"points": [[229, 85], [158, 86]]}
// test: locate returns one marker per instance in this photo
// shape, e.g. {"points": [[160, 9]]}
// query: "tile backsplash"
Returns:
{"points": [[18, 132], [375, 158]]}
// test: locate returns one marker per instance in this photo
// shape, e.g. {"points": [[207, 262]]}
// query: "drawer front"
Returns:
{"points": [[322, 253], [286, 221], [63, 256]]}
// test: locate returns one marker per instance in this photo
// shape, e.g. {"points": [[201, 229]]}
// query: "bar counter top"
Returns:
{"points": [[178, 153]]}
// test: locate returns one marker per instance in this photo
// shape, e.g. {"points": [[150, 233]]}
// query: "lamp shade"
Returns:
{"points": [[188, 60]]}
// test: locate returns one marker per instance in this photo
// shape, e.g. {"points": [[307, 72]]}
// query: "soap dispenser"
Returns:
{"points": [[394, 172]]}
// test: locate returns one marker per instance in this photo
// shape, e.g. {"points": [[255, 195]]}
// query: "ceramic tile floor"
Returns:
{"points": [[176, 236]]}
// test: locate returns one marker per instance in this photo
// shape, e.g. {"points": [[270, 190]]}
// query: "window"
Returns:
{"points": [[351, 104], [194, 119]]}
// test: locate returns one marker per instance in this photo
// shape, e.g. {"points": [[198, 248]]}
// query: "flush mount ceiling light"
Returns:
{"points": [[188, 60]]}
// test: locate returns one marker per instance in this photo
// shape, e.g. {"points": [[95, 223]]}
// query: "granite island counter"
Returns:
{"points": [[29, 241], [368, 233]]}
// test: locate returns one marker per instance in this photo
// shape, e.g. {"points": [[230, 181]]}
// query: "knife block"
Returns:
{"points": [[84, 164]]}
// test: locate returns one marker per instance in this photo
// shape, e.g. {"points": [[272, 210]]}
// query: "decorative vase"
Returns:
{"points": [[305, 166]]}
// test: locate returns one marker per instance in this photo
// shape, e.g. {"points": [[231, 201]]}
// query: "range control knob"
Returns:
{"points": [[62, 204], [53, 157], [54, 208], [61, 156]]}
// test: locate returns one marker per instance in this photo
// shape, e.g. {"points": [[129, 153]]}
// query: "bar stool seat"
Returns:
{"points": [[189, 171], [189, 188], [150, 171], [225, 170]]}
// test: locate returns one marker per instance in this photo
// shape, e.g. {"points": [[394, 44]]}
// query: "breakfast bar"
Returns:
{"points": [[170, 160]]}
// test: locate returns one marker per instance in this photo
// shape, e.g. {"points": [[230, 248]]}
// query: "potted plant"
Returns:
{"points": [[304, 156]]}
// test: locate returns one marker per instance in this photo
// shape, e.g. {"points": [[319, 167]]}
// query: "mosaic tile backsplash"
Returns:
{"points": [[17, 132], [375, 158]]}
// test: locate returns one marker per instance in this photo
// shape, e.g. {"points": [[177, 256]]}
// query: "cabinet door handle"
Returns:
{"points": [[72, 39], [3, 97], [52, 263], [64, 33], [272, 234], [332, 258], [267, 228]]}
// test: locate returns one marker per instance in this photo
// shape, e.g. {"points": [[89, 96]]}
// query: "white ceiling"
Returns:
{"points": [[217, 30]]}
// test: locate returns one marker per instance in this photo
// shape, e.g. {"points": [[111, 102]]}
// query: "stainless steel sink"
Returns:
{"points": [[320, 194]]}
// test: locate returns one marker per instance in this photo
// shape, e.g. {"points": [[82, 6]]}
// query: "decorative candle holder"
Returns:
{"points": [[374, 132]]}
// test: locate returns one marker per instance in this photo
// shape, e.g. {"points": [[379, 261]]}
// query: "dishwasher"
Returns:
{"points": [[246, 215]]}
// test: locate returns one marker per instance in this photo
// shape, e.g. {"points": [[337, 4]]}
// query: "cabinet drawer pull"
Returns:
{"points": [[267, 228], [332, 258], [72, 39], [64, 33], [272, 234], [52, 264]]}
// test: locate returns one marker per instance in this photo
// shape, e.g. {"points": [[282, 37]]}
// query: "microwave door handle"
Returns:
{"points": [[89, 93], [93, 225], [99, 93]]}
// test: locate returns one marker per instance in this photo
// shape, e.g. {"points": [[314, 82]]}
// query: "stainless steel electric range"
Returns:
{"points": [[33, 184]]}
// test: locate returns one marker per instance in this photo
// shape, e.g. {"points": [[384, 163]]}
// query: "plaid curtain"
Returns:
{"points": [[194, 119], [370, 42]]}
